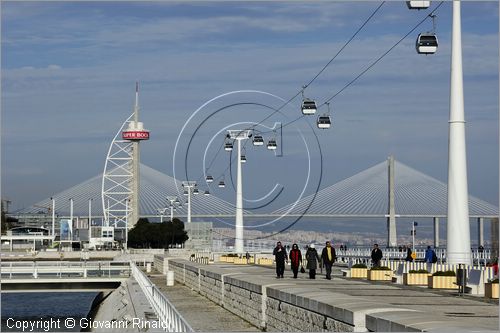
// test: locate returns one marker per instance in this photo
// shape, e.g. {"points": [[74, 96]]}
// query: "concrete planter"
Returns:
{"points": [[491, 290], [265, 261], [415, 279], [223, 259], [442, 282], [379, 275], [230, 259], [240, 261], [359, 273]]}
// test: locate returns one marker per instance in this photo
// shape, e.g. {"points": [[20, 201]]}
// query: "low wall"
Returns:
{"points": [[273, 307]]}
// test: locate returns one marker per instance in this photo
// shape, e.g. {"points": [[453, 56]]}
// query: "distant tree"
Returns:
{"points": [[156, 235]]}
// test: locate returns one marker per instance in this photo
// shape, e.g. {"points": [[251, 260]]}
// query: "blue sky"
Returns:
{"points": [[69, 72]]}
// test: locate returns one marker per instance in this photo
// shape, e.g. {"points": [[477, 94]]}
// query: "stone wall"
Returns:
{"points": [[274, 307]]}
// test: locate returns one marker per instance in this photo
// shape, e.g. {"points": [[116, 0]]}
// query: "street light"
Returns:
{"points": [[161, 211], [173, 200], [189, 187]]}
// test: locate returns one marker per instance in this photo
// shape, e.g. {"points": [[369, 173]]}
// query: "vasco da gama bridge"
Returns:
{"points": [[366, 194]]}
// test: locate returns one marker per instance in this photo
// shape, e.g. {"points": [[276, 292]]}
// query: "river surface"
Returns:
{"points": [[52, 312]]}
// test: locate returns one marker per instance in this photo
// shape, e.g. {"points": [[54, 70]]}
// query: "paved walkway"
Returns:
{"points": [[443, 306], [202, 314]]}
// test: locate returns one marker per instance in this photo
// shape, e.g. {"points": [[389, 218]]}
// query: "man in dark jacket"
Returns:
{"points": [[280, 257], [376, 255], [328, 257]]}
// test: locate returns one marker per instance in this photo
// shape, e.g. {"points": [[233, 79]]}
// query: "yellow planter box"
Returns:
{"points": [[223, 259], [359, 273], [415, 279], [230, 259], [491, 290], [442, 282], [265, 261], [379, 275], [240, 261]]}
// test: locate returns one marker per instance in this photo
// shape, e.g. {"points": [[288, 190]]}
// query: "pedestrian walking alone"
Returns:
{"points": [[376, 255], [312, 261], [328, 257], [280, 256], [295, 259]]}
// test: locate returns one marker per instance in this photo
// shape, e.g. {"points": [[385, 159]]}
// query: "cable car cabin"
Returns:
{"points": [[308, 107], [271, 145], [222, 184], [228, 146], [324, 122], [185, 192], [427, 43], [196, 191], [209, 179], [418, 4], [258, 140], [243, 159], [206, 193]]}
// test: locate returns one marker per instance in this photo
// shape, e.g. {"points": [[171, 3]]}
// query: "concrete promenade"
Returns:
{"points": [[202, 314], [341, 304]]}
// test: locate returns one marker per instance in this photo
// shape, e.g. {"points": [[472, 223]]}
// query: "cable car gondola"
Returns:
{"points": [[324, 121], [206, 193], [418, 4], [209, 179], [185, 192], [258, 140], [196, 191], [243, 159], [222, 184], [271, 145], [308, 107], [427, 43], [228, 146]]}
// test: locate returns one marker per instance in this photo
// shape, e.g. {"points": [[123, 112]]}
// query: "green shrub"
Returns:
{"points": [[447, 273], [418, 271], [358, 266], [380, 268]]}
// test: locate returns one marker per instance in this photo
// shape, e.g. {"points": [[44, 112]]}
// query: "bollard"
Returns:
{"points": [[170, 278], [148, 267]]}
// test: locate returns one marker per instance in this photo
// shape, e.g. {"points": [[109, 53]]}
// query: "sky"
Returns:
{"points": [[69, 71]]}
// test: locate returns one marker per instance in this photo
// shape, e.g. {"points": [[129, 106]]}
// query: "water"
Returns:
{"points": [[41, 308]]}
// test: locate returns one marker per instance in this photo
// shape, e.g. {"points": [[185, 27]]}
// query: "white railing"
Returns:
{"points": [[171, 320], [64, 269], [363, 255]]}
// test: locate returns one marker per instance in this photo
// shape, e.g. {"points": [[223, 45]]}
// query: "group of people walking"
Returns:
{"points": [[327, 258]]}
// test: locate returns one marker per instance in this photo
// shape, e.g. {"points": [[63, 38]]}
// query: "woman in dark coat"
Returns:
{"points": [[312, 261], [295, 259]]}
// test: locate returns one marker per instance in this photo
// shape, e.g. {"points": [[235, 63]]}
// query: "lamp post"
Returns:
{"points": [[189, 187], [70, 233], [90, 218], [53, 217], [172, 200], [239, 135], [161, 211]]}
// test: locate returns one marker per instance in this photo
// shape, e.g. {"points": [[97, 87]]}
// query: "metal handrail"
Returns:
{"points": [[171, 319]]}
